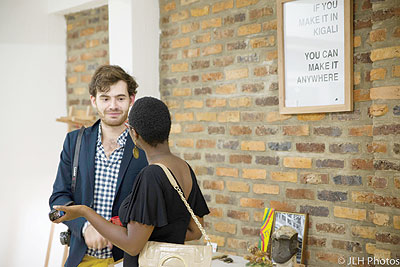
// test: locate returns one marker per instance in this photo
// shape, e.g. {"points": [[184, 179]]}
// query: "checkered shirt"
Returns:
{"points": [[106, 175]]}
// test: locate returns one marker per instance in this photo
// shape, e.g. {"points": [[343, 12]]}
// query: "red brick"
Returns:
{"points": [[300, 194], [266, 189], [296, 162], [251, 203], [199, 12], [205, 144], [386, 92], [314, 178], [244, 3], [361, 131], [363, 232], [239, 215], [331, 228], [240, 130], [253, 146], [211, 23], [350, 213], [362, 164], [380, 219], [261, 12], [215, 102], [249, 29], [378, 35], [377, 110], [213, 76], [222, 199], [212, 50], [328, 257], [190, 27], [360, 95], [185, 143], [204, 38], [221, 6], [237, 186], [233, 159], [179, 43], [254, 173], [300, 130], [169, 6], [87, 31], [184, 116], [376, 148], [282, 206], [216, 212], [270, 25], [179, 16], [206, 116], [224, 227], [236, 74], [214, 185], [231, 172], [316, 242], [311, 117]]}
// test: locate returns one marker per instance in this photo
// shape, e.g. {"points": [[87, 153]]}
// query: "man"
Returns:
{"points": [[107, 166]]}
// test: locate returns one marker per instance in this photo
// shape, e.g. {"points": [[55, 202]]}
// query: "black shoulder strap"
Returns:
{"points": [[76, 159]]}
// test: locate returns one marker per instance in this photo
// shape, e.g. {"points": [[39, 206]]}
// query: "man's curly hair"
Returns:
{"points": [[107, 75], [151, 119]]}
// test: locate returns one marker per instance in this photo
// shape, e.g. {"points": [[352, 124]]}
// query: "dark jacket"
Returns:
{"points": [[83, 195]]}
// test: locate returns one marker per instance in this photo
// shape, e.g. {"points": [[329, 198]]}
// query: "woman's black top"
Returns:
{"points": [[153, 201]]}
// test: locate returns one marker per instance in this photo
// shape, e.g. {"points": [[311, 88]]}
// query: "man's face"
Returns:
{"points": [[113, 106]]}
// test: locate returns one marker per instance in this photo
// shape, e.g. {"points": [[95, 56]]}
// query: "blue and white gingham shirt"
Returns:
{"points": [[106, 175]]}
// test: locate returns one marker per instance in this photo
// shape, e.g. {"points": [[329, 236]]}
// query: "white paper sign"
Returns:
{"points": [[314, 53]]}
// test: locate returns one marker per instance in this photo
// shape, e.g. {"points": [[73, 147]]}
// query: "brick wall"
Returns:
{"points": [[87, 48], [218, 75]]}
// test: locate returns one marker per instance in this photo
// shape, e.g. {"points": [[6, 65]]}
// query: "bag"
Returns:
{"points": [[161, 254]]}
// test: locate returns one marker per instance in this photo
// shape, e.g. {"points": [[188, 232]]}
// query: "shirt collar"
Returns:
{"points": [[121, 139]]}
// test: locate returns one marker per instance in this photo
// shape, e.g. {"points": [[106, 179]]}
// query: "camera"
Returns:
{"points": [[56, 214], [65, 237]]}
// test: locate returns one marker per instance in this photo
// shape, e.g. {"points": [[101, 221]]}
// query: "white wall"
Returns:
{"points": [[134, 41], [33, 95]]}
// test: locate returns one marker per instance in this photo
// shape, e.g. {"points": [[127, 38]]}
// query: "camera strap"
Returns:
{"points": [[76, 158]]}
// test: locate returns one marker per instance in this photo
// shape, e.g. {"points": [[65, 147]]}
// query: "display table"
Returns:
{"points": [[237, 262]]}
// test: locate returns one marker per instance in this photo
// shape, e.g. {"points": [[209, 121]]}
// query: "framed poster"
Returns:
{"points": [[315, 56], [299, 222]]}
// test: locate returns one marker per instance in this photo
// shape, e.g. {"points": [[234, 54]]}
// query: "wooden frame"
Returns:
{"points": [[299, 222], [316, 94]]}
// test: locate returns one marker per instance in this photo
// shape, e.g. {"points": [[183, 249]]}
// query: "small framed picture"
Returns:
{"points": [[299, 222]]}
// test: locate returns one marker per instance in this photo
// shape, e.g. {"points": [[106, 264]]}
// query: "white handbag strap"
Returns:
{"points": [[176, 187]]}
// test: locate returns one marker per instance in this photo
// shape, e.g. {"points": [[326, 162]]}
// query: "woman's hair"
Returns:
{"points": [[150, 118], [108, 75]]}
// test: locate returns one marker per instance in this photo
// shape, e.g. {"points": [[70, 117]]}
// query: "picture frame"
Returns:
{"points": [[299, 222], [315, 56]]}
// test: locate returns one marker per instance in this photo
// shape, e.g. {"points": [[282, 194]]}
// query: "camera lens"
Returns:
{"points": [[55, 214], [65, 237]]}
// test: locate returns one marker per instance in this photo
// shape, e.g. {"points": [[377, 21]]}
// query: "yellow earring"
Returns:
{"points": [[135, 151]]}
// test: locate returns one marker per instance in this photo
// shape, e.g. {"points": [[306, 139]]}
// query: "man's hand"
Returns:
{"points": [[94, 240]]}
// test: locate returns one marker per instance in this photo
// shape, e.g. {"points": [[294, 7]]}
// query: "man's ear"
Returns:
{"points": [[132, 98], [93, 101]]}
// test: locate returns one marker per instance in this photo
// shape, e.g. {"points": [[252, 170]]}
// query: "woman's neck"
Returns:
{"points": [[154, 154]]}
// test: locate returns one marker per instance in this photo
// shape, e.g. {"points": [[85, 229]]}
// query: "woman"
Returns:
{"points": [[154, 210]]}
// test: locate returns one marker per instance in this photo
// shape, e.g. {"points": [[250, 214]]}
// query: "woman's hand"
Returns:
{"points": [[71, 212]]}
